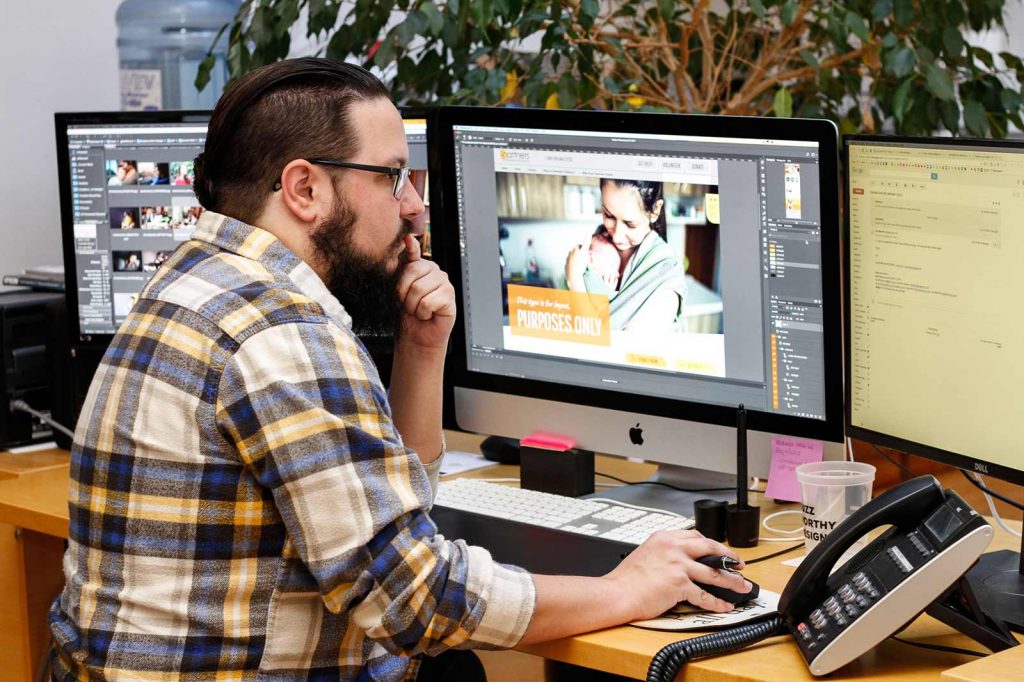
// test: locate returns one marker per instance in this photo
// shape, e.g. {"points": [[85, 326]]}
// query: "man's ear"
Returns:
{"points": [[305, 190]]}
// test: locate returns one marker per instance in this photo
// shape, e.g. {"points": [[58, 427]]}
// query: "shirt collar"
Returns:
{"points": [[263, 247]]}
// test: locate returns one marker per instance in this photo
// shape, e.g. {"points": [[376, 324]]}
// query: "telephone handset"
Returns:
{"points": [[915, 565], [934, 538]]}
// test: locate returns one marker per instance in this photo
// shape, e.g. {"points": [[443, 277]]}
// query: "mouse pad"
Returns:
{"points": [[685, 616]]}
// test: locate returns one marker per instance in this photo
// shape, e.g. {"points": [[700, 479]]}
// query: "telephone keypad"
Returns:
{"points": [[920, 546], [847, 594], [817, 619]]}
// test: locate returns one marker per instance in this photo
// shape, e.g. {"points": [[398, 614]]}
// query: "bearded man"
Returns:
{"points": [[247, 501]]}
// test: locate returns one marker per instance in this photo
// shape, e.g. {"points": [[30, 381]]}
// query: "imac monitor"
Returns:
{"points": [[628, 280], [127, 203], [935, 353]]}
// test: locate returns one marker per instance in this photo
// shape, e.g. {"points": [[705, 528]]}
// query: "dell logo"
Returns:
{"points": [[636, 435], [981, 468]]}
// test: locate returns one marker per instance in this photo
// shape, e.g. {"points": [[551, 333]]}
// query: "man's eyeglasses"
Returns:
{"points": [[401, 175]]}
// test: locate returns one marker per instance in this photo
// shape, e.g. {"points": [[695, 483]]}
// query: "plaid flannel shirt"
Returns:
{"points": [[242, 507]]}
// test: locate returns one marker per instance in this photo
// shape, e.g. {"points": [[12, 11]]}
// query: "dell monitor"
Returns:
{"points": [[628, 280], [934, 351]]}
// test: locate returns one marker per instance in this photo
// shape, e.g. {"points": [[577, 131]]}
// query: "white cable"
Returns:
{"points": [[764, 524], [992, 508], [754, 483], [780, 531], [849, 449], [22, 406]]}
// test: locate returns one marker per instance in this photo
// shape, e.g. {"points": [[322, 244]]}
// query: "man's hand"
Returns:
{"points": [[661, 572], [428, 299]]}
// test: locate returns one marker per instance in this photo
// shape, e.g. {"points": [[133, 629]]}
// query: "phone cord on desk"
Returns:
{"points": [[666, 663]]}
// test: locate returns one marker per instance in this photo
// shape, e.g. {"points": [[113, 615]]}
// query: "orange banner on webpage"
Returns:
{"points": [[558, 315]]}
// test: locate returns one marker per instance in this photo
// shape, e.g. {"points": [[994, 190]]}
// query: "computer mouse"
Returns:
{"points": [[727, 594]]}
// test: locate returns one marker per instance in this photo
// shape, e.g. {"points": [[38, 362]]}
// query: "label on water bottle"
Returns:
{"points": [[141, 90]]}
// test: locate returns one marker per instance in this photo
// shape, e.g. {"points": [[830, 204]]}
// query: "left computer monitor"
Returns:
{"points": [[127, 202]]}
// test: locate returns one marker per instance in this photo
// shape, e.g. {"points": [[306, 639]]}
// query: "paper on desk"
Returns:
{"points": [[687, 617], [457, 462], [787, 455]]}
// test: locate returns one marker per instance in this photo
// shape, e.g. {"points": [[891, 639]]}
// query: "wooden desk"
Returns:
{"points": [[35, 501], [33, 526]]}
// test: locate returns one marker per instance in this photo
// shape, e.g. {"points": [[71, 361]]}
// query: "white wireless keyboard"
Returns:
{"points": [[575, 515]]}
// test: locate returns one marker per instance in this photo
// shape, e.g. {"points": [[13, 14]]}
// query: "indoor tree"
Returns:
{"points": [[869, 65]]}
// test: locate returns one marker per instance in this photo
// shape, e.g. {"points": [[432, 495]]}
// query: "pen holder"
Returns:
{"points": [[743, 525], [568, 472]]}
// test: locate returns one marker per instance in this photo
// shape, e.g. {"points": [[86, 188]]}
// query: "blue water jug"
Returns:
{"points": [[160, 45]]}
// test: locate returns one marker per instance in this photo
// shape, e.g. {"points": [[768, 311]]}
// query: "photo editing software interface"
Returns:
{"points": [[133, 204], [673, 266], [936, 254]]}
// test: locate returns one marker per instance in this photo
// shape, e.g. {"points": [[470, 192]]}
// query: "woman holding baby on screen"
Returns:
{"points": [[629, 260]]}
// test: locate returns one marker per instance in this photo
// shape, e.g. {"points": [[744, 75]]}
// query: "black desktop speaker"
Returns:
{"points": [[24, 336]]}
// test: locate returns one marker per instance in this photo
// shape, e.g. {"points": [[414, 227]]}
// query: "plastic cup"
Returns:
{"points": [[829, 492]]}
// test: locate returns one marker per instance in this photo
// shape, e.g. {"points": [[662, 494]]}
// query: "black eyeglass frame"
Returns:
{"points": [[401, 175]]}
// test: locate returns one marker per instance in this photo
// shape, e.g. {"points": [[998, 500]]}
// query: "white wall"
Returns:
{"points": [[55, 55]]}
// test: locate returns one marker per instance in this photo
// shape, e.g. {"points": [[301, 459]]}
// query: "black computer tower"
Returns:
{"points": [[24, 337]]}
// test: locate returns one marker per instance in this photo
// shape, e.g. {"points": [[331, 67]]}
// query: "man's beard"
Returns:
{"points": [[366, 286]]}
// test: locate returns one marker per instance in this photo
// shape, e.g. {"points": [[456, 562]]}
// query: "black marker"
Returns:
{"points": [[725, 563]]}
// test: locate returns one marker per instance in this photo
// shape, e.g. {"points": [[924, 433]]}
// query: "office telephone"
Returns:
{"points": [[915, 565]]}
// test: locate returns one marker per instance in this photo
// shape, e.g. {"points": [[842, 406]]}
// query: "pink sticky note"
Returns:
{"points": [[787, 455]]}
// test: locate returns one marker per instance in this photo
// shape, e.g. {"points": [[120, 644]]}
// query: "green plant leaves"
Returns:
{"points": [[788, 12], [938, 82], [921, 70], [588, 12], [903, 11], [901, 101], [482, 11], [435, 20], [975, 118], [857, 25], [782, 104], [881, 9], [901, 61], [953, 41], [205, 69]]}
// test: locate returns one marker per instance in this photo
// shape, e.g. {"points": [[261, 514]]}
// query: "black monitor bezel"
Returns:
{"points": [[62, 121], [820, 131], [957, 460]]}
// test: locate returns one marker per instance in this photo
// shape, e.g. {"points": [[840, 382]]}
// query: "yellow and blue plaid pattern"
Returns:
{"points": [[242, 507]]}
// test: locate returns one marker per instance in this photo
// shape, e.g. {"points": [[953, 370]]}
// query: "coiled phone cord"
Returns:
{"points": [[666, 663]]}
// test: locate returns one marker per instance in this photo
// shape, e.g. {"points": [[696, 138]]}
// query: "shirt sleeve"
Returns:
{"points": [[434, 472], [309, 417]]}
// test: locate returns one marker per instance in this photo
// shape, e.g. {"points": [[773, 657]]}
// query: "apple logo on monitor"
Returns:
{"points": [[636, 435]]}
